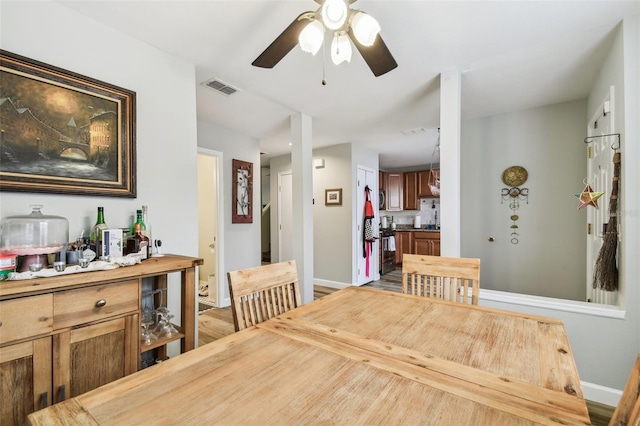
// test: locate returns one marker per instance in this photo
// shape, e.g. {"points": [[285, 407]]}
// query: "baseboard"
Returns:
{"points": [[601, 394], [330, 284]]}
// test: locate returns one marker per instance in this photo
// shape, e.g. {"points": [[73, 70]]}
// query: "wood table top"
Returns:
{"points": [[357, 356]]}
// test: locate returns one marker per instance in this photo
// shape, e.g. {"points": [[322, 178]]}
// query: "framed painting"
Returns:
{"points": [[242, 192], [333, 197], [64, 133]]}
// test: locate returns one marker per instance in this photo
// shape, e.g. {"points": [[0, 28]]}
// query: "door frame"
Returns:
{"points": [[221, 273]]}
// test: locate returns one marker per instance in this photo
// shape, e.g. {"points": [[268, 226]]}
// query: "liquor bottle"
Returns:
{"points": [[139, 221], [138, 243], [146, 231], [96, 233]]}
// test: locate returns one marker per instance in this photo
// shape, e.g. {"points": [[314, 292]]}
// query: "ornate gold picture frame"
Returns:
{"points": [[64, 133]]}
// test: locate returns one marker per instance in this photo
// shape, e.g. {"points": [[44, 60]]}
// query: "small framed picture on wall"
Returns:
{"points": [[333, 197]]}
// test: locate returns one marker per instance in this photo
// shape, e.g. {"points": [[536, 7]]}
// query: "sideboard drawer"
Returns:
{"points": [[89, 304], [26, 317]]}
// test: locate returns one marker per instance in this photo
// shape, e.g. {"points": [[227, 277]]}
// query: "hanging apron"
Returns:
{"points": [[368, 236]]}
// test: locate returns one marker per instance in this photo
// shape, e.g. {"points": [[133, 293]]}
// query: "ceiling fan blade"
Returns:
{"points": [[282, 45], [377, 56]]}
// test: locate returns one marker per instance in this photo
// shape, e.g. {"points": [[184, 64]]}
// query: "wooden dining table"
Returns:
{"points": [[358, 357]]}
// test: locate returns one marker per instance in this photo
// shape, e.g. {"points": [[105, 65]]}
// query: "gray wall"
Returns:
{"points": [[332, 227], [604, 347], [549, 259]]}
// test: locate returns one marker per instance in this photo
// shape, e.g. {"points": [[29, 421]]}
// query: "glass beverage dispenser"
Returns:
{"points": [[33, 237]]}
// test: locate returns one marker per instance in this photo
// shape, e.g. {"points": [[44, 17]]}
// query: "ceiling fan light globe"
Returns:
{"points": [[334, 13], [365, 28], [340, 49], [311, 37]]}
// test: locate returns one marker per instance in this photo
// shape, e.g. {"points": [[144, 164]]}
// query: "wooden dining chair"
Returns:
{"points": [[628, 410], [263, 292], [447, 278]]}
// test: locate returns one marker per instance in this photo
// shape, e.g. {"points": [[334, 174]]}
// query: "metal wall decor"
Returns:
{"points": [[514, 177]]}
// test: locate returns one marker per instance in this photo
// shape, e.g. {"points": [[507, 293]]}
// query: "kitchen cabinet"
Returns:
{"points": [[425, 178], [395, 185], [426, 243], [382, 186], [417, 242], [404, 244], [62, 336], [410, 199]]}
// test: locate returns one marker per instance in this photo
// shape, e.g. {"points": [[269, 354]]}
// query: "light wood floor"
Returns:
{"points": [[217, 323]]}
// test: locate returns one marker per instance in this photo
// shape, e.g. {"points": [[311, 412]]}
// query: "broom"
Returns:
{"points": [[605, 275]]}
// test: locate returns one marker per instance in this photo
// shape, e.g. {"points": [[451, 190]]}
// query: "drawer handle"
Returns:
{"points": [[44, 400], [63, 392], [100, 303]]}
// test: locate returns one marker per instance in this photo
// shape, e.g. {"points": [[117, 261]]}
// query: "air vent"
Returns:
{"points": [[220, 86]]}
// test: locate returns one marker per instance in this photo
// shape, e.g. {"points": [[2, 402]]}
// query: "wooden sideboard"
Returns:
{"points": [[65, 335]]}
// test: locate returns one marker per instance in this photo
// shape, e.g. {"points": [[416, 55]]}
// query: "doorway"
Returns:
{"points": [[210, 220]]}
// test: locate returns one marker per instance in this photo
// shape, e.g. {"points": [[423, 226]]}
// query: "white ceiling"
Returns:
{"points": [[513, 55]]}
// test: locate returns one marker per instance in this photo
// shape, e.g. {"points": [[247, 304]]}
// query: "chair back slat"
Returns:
{"points": [[627, 412], [447, 278], [263, 292]]}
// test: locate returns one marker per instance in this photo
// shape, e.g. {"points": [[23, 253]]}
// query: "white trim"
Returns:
{"points": [[221, 273], [594, 309], [601, 394], [330, 284]]}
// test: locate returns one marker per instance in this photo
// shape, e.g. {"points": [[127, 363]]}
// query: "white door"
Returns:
{"points": [[600, 173], [366, 177], [285, 216]]}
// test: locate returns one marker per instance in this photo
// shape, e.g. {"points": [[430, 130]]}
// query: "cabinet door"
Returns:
{"points": [[424, 177], [25, 380], [91, 356], [423, 246], [436, 247], [404, 244], [394, 191], [410, 191]]}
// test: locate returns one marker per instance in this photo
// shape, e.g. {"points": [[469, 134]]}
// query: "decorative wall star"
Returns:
{"points": [[588, 197]]}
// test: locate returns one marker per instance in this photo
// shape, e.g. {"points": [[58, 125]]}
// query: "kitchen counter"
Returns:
{"points": [[406, 228]]}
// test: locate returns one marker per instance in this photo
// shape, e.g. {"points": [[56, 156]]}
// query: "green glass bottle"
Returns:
{"points": [[96, 233], [138, 221]]}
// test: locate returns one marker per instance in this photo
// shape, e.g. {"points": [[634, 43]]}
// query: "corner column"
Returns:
{"points": [[450, 121], [302, 171]]}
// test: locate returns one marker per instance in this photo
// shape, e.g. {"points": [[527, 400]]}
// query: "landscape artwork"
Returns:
{"points": [[64, 133]]}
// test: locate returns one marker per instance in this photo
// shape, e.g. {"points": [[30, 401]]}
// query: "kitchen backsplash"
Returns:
{"points": [[429, 213]]}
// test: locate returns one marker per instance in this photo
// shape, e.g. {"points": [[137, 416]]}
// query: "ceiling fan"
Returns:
{"points": [[335, 16]]}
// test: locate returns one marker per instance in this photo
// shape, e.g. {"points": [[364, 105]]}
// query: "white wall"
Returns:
{"points": [[549, 259], [166, 117], [241, 243]]}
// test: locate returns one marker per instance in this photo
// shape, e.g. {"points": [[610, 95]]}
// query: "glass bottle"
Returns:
{"points": [[139, 221], [96, 233], [138, 243], [146, 230]]}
